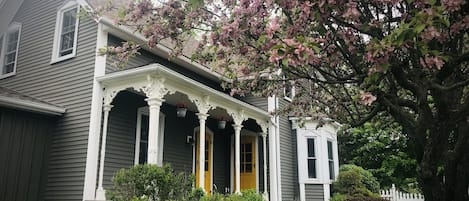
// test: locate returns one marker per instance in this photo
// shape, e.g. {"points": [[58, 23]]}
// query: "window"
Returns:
{"points": [[246, 158], [141, 137], [288, 90], [66, 30], [330, 157], [311, 158], [9, 50]]}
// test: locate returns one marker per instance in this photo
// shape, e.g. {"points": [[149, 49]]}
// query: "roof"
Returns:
{"points": [[13, 99]]}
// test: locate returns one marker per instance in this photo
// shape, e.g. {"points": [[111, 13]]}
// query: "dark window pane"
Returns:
{"points": [[249, 158], [142, 158], [311, 147], [144, 128], [329, 149], [248, 168], [248, 147], [331, 170], [206, 165], [311, 168]]}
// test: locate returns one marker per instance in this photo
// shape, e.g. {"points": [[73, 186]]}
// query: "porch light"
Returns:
{"points": [[221, 123], [181, 109]]}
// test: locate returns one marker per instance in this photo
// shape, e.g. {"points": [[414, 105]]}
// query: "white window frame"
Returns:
{"points": [[303, 157], [67, 6], [13, 27], [144, 111]]}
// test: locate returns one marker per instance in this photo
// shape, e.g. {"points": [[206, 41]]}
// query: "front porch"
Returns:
{"points": [[140, 125]]}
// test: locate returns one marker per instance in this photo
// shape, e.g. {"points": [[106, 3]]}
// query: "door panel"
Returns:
{"points": [[208, 162], [248, 162]]}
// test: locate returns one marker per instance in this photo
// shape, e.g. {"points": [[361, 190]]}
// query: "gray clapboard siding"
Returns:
{"points": [[120, 146], [288, 158], [67, 84], [314, 192]]}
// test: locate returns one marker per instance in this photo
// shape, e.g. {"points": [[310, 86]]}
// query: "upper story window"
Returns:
{"points": [[66, 31], [9, 50]]}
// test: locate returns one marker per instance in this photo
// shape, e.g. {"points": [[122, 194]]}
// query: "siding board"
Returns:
{"points": [[67, 84], [314, 192]]}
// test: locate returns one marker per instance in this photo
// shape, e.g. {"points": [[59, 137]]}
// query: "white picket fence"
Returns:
{"points": [[394, 195]]}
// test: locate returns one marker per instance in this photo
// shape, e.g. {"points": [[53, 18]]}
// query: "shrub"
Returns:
{"points": [[150, 182], [362, 198], [249, 195], [354, 183], [367, 178]]}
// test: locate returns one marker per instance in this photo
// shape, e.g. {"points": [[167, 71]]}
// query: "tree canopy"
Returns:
{"points": [[348, 60]]}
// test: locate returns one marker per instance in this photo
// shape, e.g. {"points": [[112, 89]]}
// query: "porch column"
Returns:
{"points": [[264, 151], [100, 193], [237, 128], [203, 106], [201, 164], [155, 90], [154, 104], [238, 118]]}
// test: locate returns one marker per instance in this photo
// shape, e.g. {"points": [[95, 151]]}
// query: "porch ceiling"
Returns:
{"points": [[177, 82]]}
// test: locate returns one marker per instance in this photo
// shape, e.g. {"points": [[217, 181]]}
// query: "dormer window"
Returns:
{"points": [[9, 50], [66, 31]]}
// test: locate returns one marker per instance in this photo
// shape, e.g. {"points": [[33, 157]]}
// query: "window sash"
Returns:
{"points": [[330, 158], [67, 33], [11, 48], [311, 158]]}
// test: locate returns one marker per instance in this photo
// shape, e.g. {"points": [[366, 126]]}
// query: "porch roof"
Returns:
{"points": [[175, 81], [13, 99]]}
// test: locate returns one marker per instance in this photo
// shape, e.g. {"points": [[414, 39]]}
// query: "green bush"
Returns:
{"points": [[249, 195], [367, 178], [355, 183], [150, 182], [362, 198]]}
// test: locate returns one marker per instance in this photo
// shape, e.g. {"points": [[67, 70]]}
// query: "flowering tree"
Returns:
{"points": [[347, 59]]}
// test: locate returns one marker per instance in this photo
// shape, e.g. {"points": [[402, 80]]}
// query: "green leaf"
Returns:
{"points": [[194, 4], [419, 28]]}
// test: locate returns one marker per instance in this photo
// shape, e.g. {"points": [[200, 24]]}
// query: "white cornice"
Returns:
{"points": [[182, 83], [31, 106]]}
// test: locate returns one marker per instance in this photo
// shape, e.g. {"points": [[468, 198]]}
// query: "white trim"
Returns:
{"points": [[66, 6], [278, 160], [302, 192], [31, 106], [177, 82], [327, 192], [95, 119], [272, 151], [210, 133], [13, 27], [144, 111]]}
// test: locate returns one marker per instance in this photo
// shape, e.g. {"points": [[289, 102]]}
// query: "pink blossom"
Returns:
{"points": [[352, 11], [431, 61], [429, 33], [453, 5], [366, 98]]}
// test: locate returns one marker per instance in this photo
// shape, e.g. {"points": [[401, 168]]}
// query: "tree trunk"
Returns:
{"points": [[444, 165]]}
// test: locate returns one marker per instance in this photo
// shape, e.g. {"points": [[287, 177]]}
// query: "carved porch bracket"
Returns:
{"points": [[203, 104]]}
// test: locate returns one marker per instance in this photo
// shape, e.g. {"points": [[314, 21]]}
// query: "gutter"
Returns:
{"points": [[31, 106]]}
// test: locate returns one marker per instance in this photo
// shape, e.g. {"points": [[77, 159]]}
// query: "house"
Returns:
{"points": [[69, 119]]}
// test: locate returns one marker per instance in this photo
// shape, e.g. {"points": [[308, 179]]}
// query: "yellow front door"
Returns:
{"points": [[248, 162], [208, 162]]}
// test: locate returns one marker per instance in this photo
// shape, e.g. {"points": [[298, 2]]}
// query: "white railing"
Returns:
{"points": [[394, 195]]}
